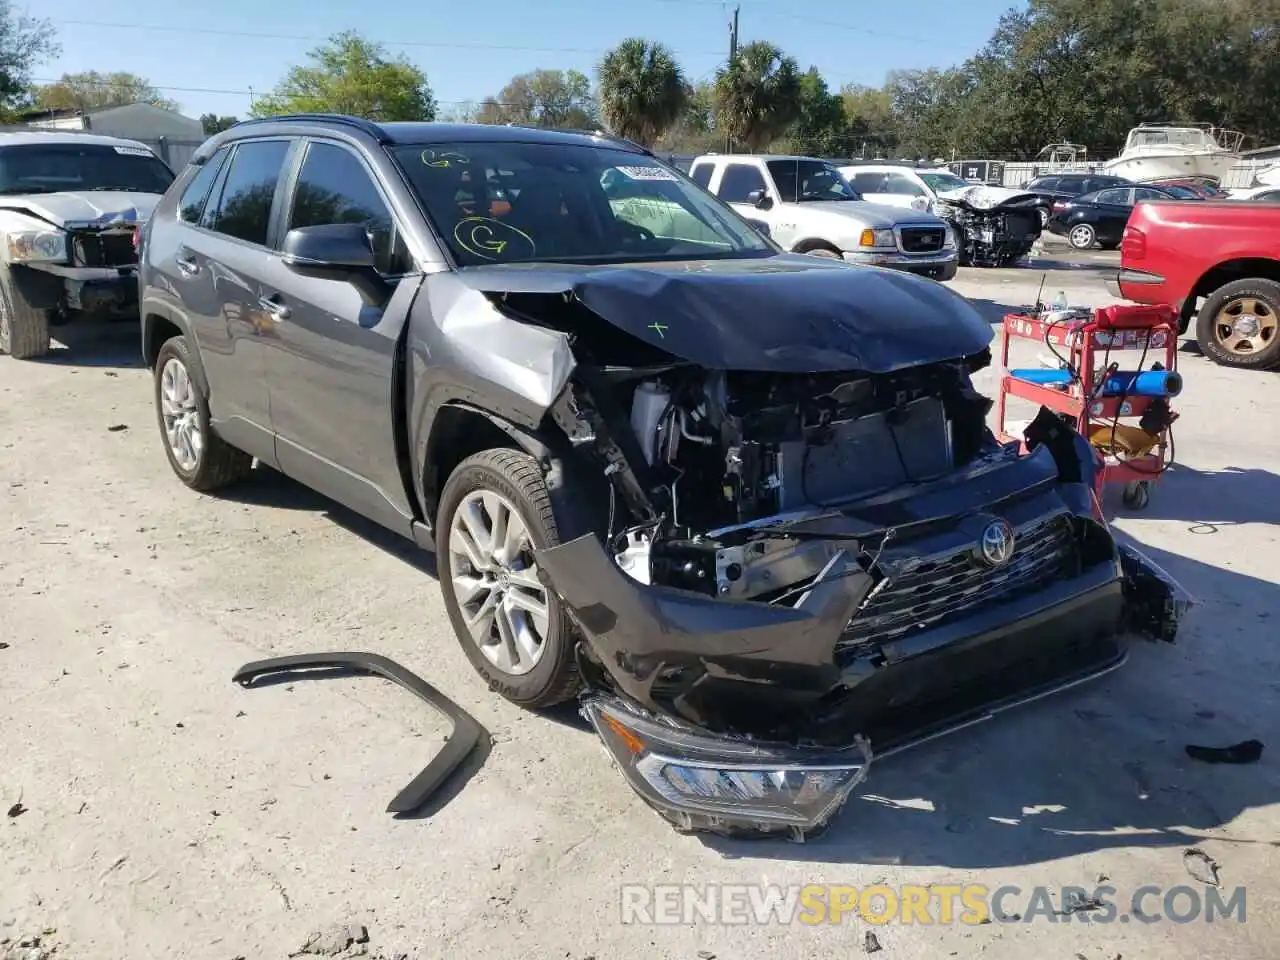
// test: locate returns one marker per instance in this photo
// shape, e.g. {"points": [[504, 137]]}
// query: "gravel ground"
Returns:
{"points": [[156, 810]]}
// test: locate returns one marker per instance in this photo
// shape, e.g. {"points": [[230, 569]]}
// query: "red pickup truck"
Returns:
{"points": [[1218, 261]]}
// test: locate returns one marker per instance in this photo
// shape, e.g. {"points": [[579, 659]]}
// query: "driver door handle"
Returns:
{"points": [[275, 309], [187, 265]]}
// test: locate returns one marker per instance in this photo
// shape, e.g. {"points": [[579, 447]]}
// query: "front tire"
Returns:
{"points": [[1239, 325], [24, 330], [495, 511], [200, 458]]}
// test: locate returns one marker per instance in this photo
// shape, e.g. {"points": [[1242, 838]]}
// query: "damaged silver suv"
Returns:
{"points": [[743, 503]]}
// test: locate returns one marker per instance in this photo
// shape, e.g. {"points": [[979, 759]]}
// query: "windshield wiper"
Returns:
{"points": [[25, 191], [113, 190]]}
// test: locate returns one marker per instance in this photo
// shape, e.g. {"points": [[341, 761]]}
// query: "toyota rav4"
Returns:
{"points": [[743, 502]]}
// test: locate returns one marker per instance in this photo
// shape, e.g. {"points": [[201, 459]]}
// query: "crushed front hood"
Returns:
{"points": [[91, 207], [785, 314], [982, 197]]}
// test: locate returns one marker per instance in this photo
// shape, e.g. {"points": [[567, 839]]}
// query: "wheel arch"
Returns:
{"points": [[814, 243], [460, 430], [1229, 271], [160, 326]]}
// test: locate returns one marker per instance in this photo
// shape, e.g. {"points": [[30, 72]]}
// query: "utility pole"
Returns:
{"points": [[733, 56]]}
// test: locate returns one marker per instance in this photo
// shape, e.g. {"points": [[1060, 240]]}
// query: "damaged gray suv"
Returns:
{"points": [[743, 503]]}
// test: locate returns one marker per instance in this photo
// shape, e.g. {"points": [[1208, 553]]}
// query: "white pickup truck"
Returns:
{"points": [[69, 206], [810, 208]]}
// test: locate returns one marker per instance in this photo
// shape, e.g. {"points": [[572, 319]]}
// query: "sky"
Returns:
{"points": [[215, 61]]}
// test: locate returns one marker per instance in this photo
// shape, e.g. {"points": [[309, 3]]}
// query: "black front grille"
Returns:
{"points": [[923, 239], [92, 249], [944, 587]]}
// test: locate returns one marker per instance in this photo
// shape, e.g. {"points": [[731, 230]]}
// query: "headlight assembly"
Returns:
{"points": [[725, 784], [46, 246], [877, 239]]}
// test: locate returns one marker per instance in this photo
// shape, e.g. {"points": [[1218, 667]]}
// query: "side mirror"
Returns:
{"points": [[759, 199], [336, 251], [920, 203], [760, 227]]}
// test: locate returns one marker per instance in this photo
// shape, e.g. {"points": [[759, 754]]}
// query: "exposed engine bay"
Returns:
{"points": [[994, 226], [728, 455]]}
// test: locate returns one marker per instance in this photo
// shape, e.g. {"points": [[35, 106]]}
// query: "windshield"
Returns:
{"points": [[942, 182], [802, 181], [518, 202], [76, 167]]}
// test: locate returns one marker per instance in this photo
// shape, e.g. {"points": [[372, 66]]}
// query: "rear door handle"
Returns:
{"points": [[277, 311], [187, 265]]}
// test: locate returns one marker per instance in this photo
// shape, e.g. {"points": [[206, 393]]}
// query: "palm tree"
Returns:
{"points": [[642, 90], [758, 95]]}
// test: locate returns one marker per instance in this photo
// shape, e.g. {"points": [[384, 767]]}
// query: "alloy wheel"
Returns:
{"points": [[181, 416], [1245, 326], [495, 580]]}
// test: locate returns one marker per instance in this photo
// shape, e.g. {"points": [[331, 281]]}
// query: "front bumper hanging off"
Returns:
{"points": [[759, 659]]}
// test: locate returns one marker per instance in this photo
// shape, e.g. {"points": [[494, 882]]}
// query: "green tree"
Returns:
{"points": [[642, 90], [695, 128], [355, 76], [92, 90], [820, 129], [25, 42], [758, 95], [872, 127], [213, 123], [546, 98]]}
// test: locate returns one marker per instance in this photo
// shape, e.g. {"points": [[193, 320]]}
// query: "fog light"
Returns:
{"points": [[725, 784]]}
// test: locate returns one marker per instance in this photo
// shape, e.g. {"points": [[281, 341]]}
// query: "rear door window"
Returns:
{"points": [[244, 206], [1068, 185], [1044, 183], [1116, 196]]}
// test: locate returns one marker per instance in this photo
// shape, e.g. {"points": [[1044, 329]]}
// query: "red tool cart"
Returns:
{"points": [[1098, 351]]}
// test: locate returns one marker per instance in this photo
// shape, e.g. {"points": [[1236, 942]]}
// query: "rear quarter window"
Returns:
{"points": [[196, 195]]}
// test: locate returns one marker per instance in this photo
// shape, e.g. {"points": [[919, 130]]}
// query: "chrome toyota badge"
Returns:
{"points": [[996, 545]]}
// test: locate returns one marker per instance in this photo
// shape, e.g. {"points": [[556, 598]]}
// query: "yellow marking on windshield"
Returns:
{"points": [[483, 237], [443, 158]]}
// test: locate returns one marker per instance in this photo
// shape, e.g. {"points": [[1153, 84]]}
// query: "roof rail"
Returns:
{"points": [[360, 123], [592, 132]]}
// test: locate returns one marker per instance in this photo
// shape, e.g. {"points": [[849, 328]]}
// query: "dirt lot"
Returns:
{"points": [[164, 812]]}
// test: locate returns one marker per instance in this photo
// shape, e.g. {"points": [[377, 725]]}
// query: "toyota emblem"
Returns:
{"points": [[996, 546]]}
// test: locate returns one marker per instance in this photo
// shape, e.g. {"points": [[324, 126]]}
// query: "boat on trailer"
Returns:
{"points": [[1165, 151]]}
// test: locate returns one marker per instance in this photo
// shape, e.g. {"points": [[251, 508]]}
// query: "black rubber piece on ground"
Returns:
{"points": [[461, 741], [1247, 751]]}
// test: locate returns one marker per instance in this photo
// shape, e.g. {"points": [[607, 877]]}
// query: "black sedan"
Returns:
{"points": [[1099, 217]]}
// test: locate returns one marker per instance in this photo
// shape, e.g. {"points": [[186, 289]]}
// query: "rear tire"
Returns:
{"points": [[1223, 325], [1082, 236], [516, 632], [24, 330], [200, 458]]}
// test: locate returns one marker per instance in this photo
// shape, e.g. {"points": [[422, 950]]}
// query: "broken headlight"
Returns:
{"points": [[723, 784]]}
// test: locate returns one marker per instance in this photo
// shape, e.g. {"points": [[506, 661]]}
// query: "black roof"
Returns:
{"points": [[401, 132]]}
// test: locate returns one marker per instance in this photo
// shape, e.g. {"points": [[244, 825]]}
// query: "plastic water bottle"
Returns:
{"points": [[1060, 304]]}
